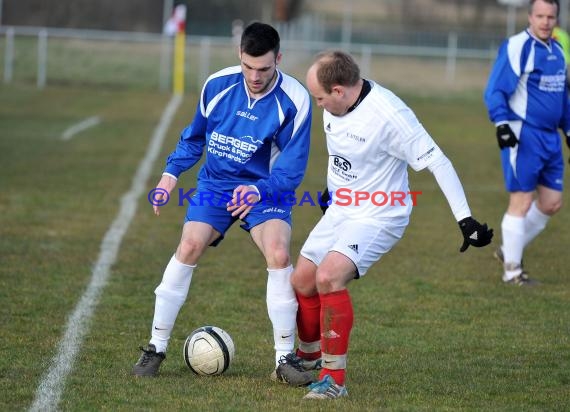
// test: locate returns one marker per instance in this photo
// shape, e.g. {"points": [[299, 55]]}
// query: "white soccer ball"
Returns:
{"points": [[208, 351]]}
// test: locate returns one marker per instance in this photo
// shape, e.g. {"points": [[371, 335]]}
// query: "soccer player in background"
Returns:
{"points": [[254, 123], [372, 137], [527, 100]]}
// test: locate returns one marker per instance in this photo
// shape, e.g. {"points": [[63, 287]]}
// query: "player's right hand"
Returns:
{"points": [[243, 199], [166, 184], [506, 137]]}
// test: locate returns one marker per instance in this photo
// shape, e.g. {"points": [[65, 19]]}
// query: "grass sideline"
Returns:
{"points": [[434, 329]]}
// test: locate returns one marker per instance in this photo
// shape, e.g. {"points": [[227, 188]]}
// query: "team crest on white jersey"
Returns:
{"points": [[341, 168], [342, 163]]}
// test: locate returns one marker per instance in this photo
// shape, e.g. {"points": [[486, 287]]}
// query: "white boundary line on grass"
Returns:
{"points": [[79, 127], [51, 386]]}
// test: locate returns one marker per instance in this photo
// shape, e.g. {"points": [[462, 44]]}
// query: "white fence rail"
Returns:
{"points": [[143, 60]]}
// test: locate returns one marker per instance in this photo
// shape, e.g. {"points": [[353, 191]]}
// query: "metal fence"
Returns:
{"points": [[91, 58]]}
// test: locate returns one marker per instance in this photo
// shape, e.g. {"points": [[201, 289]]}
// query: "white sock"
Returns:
{"points": [[534, 222], [170, 296], [282, 309], [513, 229]]}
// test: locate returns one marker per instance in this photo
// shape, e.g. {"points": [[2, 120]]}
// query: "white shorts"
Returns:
{"points": [[363, 241]]}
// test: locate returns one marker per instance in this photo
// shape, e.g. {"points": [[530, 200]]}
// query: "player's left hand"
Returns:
{"points": [[474, 233], [243, 199]]}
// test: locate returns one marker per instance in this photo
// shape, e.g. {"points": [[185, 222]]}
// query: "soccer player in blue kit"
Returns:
{"points": [[527, 100], [254, 123]]}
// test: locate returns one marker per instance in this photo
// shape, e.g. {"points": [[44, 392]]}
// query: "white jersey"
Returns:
{"points": [[369, 150]]}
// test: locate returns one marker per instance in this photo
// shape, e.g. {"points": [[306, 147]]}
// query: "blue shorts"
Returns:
{"points": [[536, 160], [211, 208]]}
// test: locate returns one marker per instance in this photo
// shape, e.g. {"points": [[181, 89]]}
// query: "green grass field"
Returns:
{"points": [[434, 329]]}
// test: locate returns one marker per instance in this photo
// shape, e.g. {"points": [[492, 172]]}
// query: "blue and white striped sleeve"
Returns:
{"points": [[502, 83]]}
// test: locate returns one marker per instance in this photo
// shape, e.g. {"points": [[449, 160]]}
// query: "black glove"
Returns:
{"points": [[506, 137], [324, 200], [474, 233]]}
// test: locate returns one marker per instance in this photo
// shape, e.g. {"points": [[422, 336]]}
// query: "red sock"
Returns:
{"points": [[308, 326], [337, 317]]}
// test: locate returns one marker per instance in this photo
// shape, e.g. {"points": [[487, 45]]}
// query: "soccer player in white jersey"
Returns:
{"points": [[527, 100], [253, 123], [372, 137]]}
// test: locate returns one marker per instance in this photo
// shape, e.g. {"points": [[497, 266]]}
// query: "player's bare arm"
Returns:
{"points": [[166, 184], [243, 199]]}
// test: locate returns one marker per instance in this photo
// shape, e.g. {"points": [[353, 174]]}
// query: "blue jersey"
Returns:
{"points": [[528, 83], [262, 142]]}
